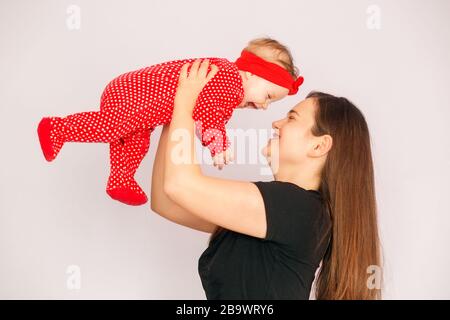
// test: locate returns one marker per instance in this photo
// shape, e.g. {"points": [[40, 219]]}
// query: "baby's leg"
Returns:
{"points": [[126, 155], [106, 125]]}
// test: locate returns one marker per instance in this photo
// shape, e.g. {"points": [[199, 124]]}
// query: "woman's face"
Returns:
{"points": [[293, 140]]}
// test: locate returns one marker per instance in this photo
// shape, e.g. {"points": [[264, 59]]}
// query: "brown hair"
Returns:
{"points": [[273, 51], [347, 186]]}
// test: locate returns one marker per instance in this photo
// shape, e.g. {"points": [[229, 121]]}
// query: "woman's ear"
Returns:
{"points": [[248, 74], [322, 146]]}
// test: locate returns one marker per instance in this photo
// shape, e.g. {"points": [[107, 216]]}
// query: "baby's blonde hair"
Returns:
{"points": [[273, 51]]}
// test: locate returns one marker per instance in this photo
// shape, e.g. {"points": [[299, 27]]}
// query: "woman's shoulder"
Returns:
{"points": [[288, 197], [288, 189], [292, 210]]}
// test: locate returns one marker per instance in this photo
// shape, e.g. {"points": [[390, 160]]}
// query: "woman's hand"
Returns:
{"points": [[191, 84]]}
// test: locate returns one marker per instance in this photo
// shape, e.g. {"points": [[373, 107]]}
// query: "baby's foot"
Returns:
{"points": [[50, 142], [130, 194]]}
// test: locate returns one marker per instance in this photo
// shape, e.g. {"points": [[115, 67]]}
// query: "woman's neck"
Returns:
{"points": [[304, 178]]}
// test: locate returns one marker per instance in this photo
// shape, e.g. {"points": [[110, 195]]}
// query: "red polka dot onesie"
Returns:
{"points": [[131, 106]]}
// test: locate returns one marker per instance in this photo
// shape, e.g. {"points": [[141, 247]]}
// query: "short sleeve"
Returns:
{"points": [[294, 215]]}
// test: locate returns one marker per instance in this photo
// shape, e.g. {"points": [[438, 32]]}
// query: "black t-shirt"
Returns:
{"points": [[281, 266]]}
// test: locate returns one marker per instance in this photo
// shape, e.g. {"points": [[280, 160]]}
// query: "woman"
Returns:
{"points": [[270, 237]]}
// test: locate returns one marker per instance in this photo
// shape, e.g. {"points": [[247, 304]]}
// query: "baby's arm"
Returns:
{"points": [[212, 112], [217, 141], [210, 123]]}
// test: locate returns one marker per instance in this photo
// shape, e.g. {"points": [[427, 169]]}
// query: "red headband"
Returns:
{"points": [[268, 70]]}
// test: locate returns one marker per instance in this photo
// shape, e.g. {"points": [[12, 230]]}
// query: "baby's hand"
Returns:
{"points": [[223, 158]]}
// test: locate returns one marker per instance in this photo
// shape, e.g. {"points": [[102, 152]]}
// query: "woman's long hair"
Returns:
{"points": [[348, 188]]}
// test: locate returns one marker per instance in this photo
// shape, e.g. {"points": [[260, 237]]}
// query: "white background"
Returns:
{"points": [[53, 215]]}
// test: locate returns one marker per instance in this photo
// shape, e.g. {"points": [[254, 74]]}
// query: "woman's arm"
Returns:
{"points": [[162, 204], [233, 205]]}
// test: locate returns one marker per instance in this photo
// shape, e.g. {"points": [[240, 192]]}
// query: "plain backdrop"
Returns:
{"points": [[391, 58]]}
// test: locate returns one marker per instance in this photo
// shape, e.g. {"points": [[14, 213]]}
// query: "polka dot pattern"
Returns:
{"points": [[134, 103]]}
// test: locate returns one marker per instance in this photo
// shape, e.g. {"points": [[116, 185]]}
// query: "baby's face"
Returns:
{"points": [[259, 93]]}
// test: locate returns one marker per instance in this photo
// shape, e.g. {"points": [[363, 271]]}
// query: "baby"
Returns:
{"points": [[134, 103]]}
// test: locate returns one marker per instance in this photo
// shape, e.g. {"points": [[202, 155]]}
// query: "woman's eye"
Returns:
{"points": [[291, 117]]}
